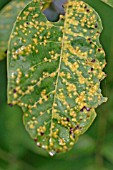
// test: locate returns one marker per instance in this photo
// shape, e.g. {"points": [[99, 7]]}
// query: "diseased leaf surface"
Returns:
{"points": [[54, 73], [8, 16]]}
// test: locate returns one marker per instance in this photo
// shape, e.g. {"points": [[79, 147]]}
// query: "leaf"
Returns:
{"points": [[3, 3], [54, 73], [108, 2], [8, 16]]}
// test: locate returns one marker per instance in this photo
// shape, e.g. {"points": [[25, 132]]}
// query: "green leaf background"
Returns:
{"points": [[94, 149], [8, 15], [3, 3], [109, 2]]}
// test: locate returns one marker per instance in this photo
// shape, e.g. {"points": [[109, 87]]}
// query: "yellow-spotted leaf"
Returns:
{"points": [[8, 16], [108, 2], [54, 73]]}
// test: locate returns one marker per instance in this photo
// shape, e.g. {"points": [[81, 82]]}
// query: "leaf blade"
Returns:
{"points": [[57, 68]]}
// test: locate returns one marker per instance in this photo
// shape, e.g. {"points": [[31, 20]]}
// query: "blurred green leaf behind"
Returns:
{"points": [[93, 150], [109, 2], [8, 17], [3, 3]]}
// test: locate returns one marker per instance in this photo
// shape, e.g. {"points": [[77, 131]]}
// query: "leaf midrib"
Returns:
{"points": [[62, 47]]}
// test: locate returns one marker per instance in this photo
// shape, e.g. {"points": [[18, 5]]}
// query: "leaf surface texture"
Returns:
{"points": [[54, 73]]}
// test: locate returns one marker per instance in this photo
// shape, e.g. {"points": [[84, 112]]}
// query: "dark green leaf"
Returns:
{"points": [[54, 73], [3, 3]]}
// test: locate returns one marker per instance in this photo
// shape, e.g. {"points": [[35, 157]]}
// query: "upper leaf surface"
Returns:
{"points": [[54, 73], [8, 16]]}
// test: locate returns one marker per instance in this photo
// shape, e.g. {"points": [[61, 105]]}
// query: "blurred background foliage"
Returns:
{"points": [[3, 3], [94, 150]]}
